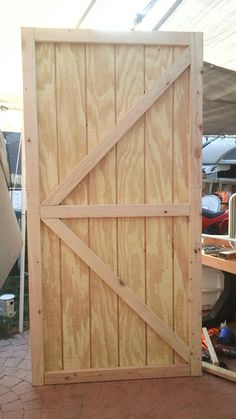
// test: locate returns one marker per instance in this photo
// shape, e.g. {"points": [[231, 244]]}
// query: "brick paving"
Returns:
{"points": [[205, 397]]}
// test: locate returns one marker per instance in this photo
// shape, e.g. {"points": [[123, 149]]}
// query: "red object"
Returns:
{"points": [[215, 222]]}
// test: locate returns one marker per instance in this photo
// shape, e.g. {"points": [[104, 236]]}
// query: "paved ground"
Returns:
{"points": [[205, 397]]}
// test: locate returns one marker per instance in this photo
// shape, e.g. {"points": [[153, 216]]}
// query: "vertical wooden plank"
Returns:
{"points": [[33, 202], [158, 151], [102, 189], [47, 139], [72, 144], [195, 188], [130, 189], [181, 146]]}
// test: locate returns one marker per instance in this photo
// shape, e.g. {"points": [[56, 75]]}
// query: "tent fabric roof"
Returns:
{"points": [[219, 100], [215, 18]]}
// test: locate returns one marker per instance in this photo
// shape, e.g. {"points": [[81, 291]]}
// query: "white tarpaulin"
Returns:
{"points": [[219, 100], [10, 236]]}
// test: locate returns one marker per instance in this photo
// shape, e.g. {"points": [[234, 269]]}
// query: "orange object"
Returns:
{"points": [[224, 197], [213, 331]]}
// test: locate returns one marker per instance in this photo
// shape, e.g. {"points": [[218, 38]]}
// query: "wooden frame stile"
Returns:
{"points": [[33, 204], [195, 191], [52, 211]]}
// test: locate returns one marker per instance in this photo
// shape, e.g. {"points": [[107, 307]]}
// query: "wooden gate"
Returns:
{"points": [[113, 145]]}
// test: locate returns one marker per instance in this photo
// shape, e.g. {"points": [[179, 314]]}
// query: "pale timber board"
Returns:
{"points": [[181, 280], [103, 192], [100, 73], [130, 189], [111, 374], [158, 175], [118, 285], [101, 37], [72, 147], [117, 131], [33, 203], [195, 190], [210, 347], [181, 147], [50, 249], [217, 263], [107, 211], [219, 372]]}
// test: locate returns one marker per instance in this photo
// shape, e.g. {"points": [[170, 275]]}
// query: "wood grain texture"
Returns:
{"points": [[33, 203], [195, 189], [210, 347], [158, 164], [51, 271], [102, 190], [101, 37], [118, 285], [181, 280], [108, 211], [110, 374], [130, 189], [181, 147], [119, 130], [72, 141]]}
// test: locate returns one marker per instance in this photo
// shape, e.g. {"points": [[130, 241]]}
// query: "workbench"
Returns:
{"points": [[218, 263], [224, 308]]}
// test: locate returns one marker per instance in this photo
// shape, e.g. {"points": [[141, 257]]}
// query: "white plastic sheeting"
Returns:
{"points": [[10, 237], [216, 18]]}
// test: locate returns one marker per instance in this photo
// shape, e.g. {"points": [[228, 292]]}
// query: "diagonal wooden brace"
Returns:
{"points": [[119, 130], [119, 287]]}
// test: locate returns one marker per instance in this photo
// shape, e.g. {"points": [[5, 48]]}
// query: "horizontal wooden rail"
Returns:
{"points": [[110, 374], [106, 211], [98, 37]]}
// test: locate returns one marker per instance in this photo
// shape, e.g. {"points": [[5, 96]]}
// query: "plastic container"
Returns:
{"points": [[212, 286], [7, 305]]}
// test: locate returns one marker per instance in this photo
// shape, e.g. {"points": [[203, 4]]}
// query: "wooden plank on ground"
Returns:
{"points": [[158, 175], [219, 372], [72, 144], [100, 73], [130, 189]]}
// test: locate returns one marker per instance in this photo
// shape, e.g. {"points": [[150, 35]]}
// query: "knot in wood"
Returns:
{"points": [[197, 152], [121, 282]]}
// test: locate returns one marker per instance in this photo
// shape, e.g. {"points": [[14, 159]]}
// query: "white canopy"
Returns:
{"points": [[216, 18]]}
